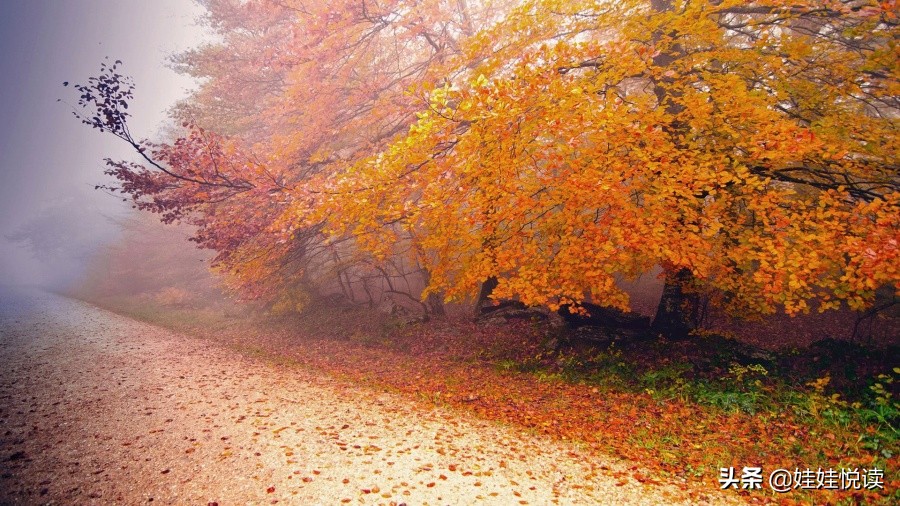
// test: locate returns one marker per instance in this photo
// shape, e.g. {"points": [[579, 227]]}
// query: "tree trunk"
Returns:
{"points": [[677, 311], [436, 304], [487, 287]]}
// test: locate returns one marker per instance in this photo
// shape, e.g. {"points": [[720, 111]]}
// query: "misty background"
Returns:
{"points": [[51, 218]]}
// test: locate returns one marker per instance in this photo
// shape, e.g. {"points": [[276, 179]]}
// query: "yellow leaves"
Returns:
{"points": [[553, 151]]}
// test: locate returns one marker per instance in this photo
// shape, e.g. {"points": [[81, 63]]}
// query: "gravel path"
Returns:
{"points": [[98, 408]]}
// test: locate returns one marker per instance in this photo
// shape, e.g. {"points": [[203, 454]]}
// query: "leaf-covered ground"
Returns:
{"points": [[96, 408], [651, 404]]}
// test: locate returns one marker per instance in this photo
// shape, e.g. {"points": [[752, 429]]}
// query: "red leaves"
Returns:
{"points": [[666, 438], [740, 164]]}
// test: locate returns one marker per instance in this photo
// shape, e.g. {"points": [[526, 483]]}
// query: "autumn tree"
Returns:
{"points": [[747, 148]]}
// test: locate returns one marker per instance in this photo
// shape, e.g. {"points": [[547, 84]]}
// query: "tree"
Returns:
{"points": [[290, 93], [750, 149]]}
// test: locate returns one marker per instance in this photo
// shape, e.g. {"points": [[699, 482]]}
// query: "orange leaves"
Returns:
{"points": [[557, 189], [555, 145]]}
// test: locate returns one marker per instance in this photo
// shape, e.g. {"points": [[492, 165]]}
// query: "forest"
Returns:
{"points": [[666, 229]]}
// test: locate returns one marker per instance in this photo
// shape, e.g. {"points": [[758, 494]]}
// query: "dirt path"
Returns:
{"points": [[97, 408]]}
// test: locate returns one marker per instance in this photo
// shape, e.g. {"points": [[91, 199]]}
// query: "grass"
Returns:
{"points": [[868, 423], [749, 389]]}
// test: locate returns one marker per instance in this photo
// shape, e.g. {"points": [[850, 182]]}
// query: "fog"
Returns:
{"points": [[52, 219]]}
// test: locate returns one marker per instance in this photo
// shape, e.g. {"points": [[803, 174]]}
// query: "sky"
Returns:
{"points": [[49, 161]]}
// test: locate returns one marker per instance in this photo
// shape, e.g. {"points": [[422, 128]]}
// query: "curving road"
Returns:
{"points": [[98, 408]]}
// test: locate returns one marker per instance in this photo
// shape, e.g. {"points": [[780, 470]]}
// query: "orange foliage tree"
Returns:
{"points": [[748, 148]]}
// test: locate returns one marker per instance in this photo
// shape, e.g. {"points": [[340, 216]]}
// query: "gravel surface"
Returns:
{"points": [[96, 408]]}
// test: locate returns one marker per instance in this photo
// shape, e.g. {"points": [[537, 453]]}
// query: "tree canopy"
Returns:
{"points": [[748, 148]]}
